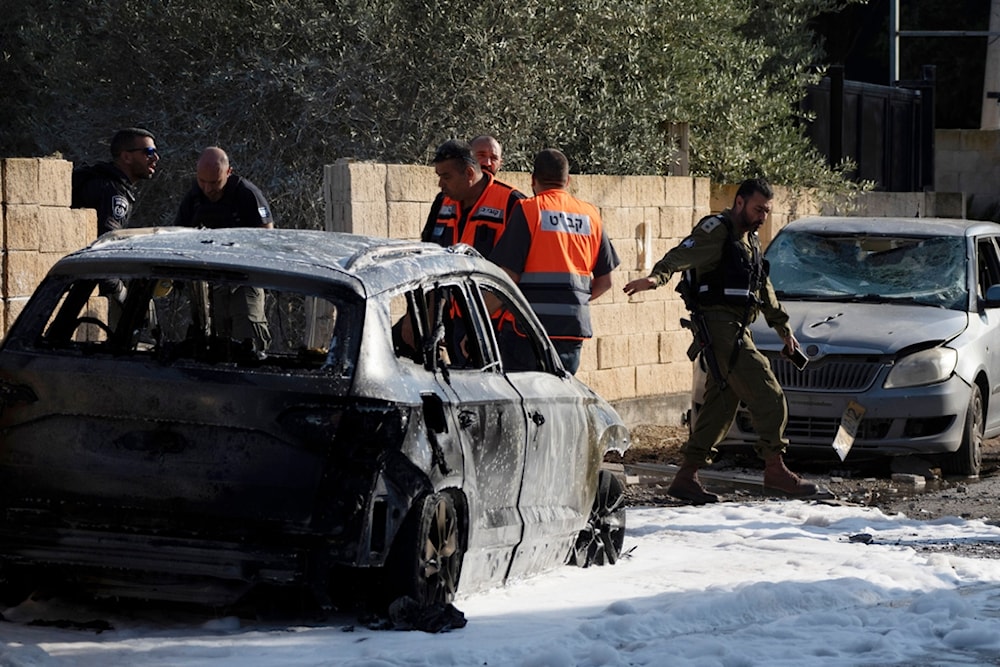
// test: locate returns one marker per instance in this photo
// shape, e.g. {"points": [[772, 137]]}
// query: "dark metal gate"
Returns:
{"points": [[887, 131]]}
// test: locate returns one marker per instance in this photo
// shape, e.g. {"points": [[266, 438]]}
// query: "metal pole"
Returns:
{"points": [[893, 42]]}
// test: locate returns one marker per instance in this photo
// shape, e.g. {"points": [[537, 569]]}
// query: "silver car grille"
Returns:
{"points": [[830, 374]]}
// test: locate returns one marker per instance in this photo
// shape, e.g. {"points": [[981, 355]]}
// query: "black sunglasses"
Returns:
{"points": [[150, 151]]}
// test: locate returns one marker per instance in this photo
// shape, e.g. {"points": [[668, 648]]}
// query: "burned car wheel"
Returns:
{"points": [[600, 543], [427, 557], [967, 461]]}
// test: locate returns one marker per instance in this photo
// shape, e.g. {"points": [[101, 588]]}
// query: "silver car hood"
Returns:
{"points": [[861, 328]]}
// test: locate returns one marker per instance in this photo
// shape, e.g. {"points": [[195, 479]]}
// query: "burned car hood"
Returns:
{"points": [[862, 328]]}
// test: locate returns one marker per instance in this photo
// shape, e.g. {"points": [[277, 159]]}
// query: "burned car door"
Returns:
{"points": [[484, 415], [561, 462]]}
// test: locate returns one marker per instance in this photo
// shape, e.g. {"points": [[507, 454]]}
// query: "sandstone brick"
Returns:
{"points": [[702, 193], [679, 191], [676, 222], [612, 351], [518, 180], [337, 182], [650, 318], [21, 226], [406, 219], [63, 230], [411, 183], [656, 379], [613, 383], [23, 270], [11, 309], [601, 191], [623, 222], [20, 180], [588, 355], [367, 182], [606, 318], [644, 191], [369, 217], [721, 196], [55, 182], [628, 253], [339, 217], [84, 227], [673, 345], [644, 349]]}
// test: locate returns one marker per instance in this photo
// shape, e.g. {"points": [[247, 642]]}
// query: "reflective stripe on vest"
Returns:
{"points": [[485, 222], [565, 241]]}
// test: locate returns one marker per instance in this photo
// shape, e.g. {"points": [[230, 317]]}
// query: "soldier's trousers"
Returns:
{"points": [[748, 379]]}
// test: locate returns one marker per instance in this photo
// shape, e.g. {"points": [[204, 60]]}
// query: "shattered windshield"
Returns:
{"points": [[852, 267]]}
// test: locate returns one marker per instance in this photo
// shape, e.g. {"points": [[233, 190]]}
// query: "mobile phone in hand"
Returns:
{"points": [[796, 357]]}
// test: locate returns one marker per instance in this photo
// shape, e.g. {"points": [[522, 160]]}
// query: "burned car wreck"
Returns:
{"points": [[189, 414]]}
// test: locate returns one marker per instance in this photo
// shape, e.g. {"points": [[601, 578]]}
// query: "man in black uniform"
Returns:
{"points": [[109, 187], [727, 286], [220, 199]]}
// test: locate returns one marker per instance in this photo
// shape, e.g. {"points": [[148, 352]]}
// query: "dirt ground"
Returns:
{"points": [[909, 486]]}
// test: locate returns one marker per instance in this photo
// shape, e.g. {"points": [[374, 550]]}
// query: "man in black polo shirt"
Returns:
{"points": [[220, 199]]}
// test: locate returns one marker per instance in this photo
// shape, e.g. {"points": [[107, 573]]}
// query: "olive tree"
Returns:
{"points": [[286, 86]]}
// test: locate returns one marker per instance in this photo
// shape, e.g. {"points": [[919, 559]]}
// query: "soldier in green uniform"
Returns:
{"points": [[725, 286]]}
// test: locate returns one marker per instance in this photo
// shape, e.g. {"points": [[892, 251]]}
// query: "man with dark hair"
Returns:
{"points": [[109, 187], [556, 250], [472, 207], [488, 152], [725, 284]]}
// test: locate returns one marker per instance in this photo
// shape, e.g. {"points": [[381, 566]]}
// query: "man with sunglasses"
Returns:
{"points": [[109, 187]]}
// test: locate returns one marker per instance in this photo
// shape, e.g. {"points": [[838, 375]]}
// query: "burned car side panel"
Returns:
{"points": [[252, 410]]}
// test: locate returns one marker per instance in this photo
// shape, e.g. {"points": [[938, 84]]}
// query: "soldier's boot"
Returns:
{"points": [[688, 488], [777, 477]]}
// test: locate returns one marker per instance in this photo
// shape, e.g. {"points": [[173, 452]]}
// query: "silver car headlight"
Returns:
{"points": [[924, 367]]}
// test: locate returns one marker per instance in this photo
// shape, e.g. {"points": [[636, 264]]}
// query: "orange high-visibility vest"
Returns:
{"points": [[565, 242], [486, 220]]}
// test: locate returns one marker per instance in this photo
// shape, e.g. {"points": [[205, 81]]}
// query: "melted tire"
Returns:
{"points": [[601, 541], [427, 556]]}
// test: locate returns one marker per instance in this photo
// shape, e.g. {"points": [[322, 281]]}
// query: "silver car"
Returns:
{"points": [[899, 319]]}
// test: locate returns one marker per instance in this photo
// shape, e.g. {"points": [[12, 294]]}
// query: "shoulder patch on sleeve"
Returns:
{"points": [[710, 223]]}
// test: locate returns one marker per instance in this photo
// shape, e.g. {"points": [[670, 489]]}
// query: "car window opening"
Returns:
{"points": [[195, 320]]}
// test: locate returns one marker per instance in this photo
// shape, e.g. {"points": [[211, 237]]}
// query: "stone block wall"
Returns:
{"points": [[968, 161], [38, 227]]}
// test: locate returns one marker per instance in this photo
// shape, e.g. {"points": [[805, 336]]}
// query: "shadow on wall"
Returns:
{"points": [[984, 206]]}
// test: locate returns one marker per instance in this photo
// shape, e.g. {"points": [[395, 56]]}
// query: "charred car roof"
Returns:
{"points": [[359, 261]]}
